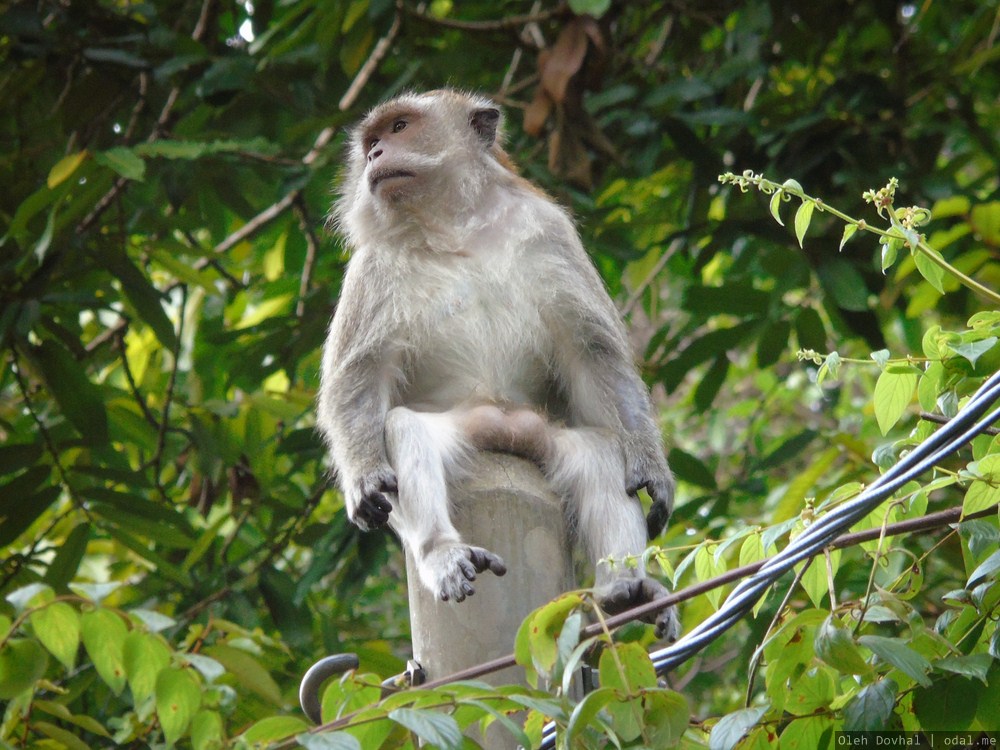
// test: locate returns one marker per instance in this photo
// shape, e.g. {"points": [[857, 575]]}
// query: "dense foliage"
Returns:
{"points": [[173, 557]]}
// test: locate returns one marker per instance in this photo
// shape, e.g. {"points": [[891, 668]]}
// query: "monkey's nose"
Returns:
{"points": [[373, 155]]}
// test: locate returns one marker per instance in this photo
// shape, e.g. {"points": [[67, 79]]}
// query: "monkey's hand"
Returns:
{"points": [[656, 478], [623, 594], [448, 570], [367, 506]]}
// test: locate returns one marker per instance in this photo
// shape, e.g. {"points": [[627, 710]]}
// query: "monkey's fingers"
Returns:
{"points": [[483, 559], [374, 510]]}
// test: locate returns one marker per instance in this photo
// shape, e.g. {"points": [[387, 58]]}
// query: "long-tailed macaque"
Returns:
{"points": [[470, 318]]}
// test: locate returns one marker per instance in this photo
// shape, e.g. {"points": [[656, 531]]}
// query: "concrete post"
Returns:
{"points": [[506, 506]]}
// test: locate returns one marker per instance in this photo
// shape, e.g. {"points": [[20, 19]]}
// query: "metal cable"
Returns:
{"points": [[966, 424]]}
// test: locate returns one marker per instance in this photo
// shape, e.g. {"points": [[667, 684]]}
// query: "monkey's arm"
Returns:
{"points": [[596, 368], [357, 381]]}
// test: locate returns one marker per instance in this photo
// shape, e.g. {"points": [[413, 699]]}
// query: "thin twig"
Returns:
{"points": [[674, 246], [941, 419], [312, 247], [161, 440]]}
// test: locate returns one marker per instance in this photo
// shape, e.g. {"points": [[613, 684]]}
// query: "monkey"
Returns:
{"points": [[471, 318]]}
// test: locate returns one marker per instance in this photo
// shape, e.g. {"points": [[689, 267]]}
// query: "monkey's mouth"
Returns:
{"points": [[381, 175]]}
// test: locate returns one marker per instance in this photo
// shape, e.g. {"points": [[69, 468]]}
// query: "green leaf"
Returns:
{"points": [[947, 705], [836, 647], [802, 218], [980, 496], [636, 670], [207, 730], [972, 665], [973, 350], [595, 8], [123, 161], [986, 570], [80, 401], [248, 671], [62, 737], [871, 709], [145, 298], [690, 469], [67, 560], [103, 636], [22, 663], [178, 697], [586, 711], [893, 393], [896, 653], [731, 728], [929, 270], [57, 626], [775, 206], [811, 691], [849, 230], [436, 728], [64, 168], [273, 728], [535, 645], [144, 656], [666, 718]]}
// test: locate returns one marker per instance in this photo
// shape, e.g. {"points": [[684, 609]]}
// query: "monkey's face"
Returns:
{"points": [[394, 148]]}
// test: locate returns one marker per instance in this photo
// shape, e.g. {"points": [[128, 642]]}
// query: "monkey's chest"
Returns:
{"points": [[479, 340]]}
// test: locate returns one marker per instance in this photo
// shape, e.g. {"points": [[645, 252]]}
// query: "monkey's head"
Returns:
{"points": [[418, 155]]}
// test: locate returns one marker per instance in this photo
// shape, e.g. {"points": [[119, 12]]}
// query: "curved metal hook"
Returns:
{"points": [[318, 673]]}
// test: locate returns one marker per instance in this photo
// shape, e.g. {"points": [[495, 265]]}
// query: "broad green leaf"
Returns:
{"points": [[971, 665], [980, 496], [666, 718], [893, 393], [929, 270], [731, 728], [627, 668], [63, 713], [948, 705], [64, 168], [890, 251], [973, 350], [57, 626], [22, 663], [535, 644], [836, 647], [586, 711], [896, 653], [207, 730], [249, 672], [691, 469], [123, 161], [871, 709], [986, 570], [103, 636], [178, 697], [811, 691], [806, 733], [80, 401], [595, 8], [273, 728], [62, 737], [985, 218], [707, 567], [430, 726], [21, 505], [802, 218], [849, 230], [144, 656], [68, 557]]}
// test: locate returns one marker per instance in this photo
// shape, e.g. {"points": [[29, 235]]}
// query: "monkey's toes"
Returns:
{"points": [[373, 511], [484, 560], [625, 593]]}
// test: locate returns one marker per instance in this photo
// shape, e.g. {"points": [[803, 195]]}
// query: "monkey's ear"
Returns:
{"points": [[484, 122]]}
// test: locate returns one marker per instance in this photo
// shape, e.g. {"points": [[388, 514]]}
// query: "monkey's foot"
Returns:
{"points": [[449, 570], [622, 594]]}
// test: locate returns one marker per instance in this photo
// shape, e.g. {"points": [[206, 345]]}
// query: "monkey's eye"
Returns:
{"points": [[398, 125], [372, 143]]}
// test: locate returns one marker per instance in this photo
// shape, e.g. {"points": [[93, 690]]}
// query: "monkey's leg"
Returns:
{"points": [[587, 467], [424, 448]]}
